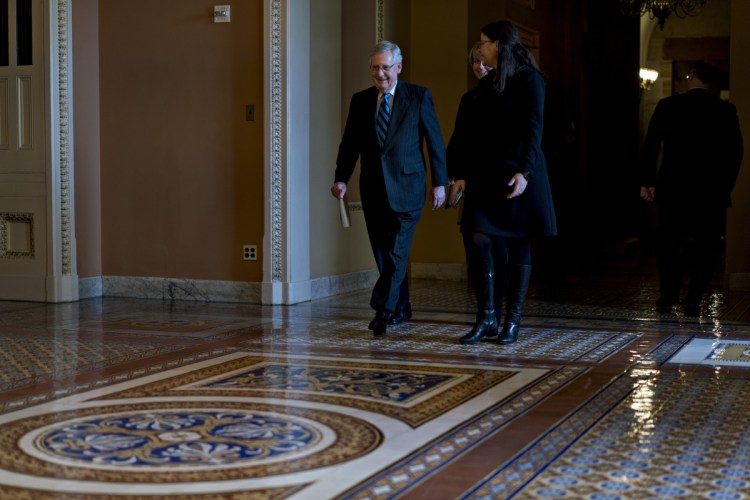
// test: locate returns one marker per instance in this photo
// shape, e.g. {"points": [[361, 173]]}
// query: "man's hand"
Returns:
{"points": [[338, 190], [437, 197], [518, 182], [647, 193]]}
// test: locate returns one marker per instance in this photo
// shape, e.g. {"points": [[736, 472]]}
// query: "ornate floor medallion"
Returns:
{"points": [[243, 421], [153, 444], [187, 439]]}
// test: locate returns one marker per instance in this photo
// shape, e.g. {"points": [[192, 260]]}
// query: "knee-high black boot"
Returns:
{"points": [[500, 282], [486, 323], [518, 285]]}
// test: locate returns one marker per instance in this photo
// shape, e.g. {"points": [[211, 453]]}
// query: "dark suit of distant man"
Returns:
{"points": [[698, 136], [393, 175]]}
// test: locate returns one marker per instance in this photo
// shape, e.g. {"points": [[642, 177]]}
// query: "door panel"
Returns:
{"points": [[23, 180]]}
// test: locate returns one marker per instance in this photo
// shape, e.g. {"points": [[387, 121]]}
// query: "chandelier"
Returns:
{"points": [[661, 9]]}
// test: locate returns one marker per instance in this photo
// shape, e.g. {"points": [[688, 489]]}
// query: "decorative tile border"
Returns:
{"points": [[429, 460], [647, 435], [412, 392]]}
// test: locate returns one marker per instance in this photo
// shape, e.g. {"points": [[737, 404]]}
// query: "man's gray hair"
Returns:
{"points": [[387, 46]]}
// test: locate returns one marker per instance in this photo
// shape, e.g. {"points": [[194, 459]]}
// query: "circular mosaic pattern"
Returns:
{"points": [[176, 442], [199, 438]]}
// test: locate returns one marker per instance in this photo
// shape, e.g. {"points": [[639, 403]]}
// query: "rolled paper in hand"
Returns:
{"points": [[346, 221]]}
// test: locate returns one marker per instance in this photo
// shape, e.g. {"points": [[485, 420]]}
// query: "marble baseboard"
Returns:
{"points": [[343, 283], [181, 289], [213, 291], [247, 292], [90, 288]]}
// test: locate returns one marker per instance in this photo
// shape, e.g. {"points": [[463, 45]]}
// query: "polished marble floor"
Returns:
{"points": [[602, 397]]}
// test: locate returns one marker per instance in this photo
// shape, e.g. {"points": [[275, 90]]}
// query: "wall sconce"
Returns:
{"points": [[648, 77]]}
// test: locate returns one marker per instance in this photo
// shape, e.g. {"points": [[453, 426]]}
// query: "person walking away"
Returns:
{"points": [[699, 139]]}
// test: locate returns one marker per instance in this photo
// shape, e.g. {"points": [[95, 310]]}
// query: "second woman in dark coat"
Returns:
{"points": [[508, 200]]}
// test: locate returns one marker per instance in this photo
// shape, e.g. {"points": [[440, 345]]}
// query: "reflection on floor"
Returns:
{"points": [[603, 396]]}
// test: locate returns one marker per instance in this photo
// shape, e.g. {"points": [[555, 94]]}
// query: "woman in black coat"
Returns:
{"points": [[508, 200]]}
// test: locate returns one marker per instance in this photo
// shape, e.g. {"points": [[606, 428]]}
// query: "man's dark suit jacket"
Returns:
{"points": [[398, 170], [702, 151]]}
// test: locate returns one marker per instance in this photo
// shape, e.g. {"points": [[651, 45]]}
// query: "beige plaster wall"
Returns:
{"points": [[437, 60], [181, 169], [86, 151], [334, 250]]}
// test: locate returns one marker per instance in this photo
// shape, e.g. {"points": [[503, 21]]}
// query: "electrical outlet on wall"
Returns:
{"points": [[249, 252]]}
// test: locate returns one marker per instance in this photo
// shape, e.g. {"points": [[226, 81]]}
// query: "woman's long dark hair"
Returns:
{"points": [[511, 53]]}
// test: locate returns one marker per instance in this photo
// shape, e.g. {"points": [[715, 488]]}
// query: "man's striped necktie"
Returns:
{"points": [[381, 125]]}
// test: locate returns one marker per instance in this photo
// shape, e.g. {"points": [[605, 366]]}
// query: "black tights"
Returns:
{"points": [[496, 251], [489, 259]]}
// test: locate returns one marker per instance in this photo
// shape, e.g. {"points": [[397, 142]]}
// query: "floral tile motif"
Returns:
{"points": [[412, 393], [174, 442], [380, 385]]}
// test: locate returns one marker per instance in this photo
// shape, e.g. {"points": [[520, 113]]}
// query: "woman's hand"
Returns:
{"points": [[518, 182], [455, 192]]}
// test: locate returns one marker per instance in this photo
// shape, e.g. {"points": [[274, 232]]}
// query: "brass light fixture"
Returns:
{"points": [[648, 77], [661, 9]]}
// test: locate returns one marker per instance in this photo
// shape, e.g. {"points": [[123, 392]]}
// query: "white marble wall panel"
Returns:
{"points": [[181, 289]]}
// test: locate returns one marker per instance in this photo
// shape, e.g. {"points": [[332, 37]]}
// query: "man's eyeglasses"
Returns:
{"points": [[375, 68]]}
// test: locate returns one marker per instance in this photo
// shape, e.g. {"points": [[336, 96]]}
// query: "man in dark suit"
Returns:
{"points": [[699, 137], [386, 128]]}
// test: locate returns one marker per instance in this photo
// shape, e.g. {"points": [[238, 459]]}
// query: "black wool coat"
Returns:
{"points": [[699, 138], [496, 136]]}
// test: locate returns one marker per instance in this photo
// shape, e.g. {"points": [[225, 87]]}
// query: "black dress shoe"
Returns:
{"points": [[379, 324], [400, 316]]}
